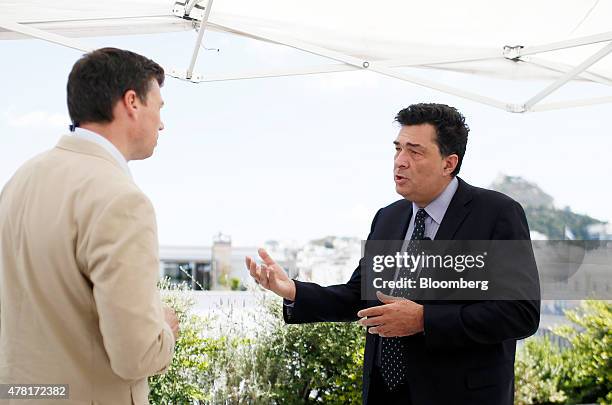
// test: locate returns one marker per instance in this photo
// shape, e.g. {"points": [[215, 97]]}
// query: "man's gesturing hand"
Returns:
{"points": [[271, 276], [397, 317]]}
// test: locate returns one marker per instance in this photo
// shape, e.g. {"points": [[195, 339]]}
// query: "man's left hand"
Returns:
{"points": [[397, 317]]}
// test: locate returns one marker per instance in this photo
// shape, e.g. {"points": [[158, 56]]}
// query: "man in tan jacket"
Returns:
{"points": [[78, 246]]}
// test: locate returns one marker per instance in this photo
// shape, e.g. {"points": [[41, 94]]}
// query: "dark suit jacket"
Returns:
{"points": [[466, 354]]}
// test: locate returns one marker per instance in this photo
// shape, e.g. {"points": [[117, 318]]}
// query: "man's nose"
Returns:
{"points": [[161, 125], [401, 161]]}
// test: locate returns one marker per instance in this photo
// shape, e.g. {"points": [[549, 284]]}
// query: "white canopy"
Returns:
{"points": [[560, 40]]}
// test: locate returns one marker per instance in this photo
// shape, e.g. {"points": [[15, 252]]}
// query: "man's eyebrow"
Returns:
{"points": [[414, 145]]}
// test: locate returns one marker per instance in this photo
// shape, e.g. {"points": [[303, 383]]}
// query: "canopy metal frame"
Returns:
{"points": [[516, 54], [44, 35], [200, 15]]}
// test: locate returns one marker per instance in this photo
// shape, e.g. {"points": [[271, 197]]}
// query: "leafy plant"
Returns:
{"points": [[291, 364], [319, 362], [581, 373], [248, 355], [182, 382], [588, 364], [538, 369]]}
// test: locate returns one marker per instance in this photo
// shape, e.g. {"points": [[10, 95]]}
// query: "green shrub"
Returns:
{"points": [[252, 357], [222, 360], [581, 373], [292, 364], [537, 371], [319, 362], [191, 370], [588, 364]]}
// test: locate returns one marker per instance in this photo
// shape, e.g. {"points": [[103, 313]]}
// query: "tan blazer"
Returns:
{"points": [[78, 271]]}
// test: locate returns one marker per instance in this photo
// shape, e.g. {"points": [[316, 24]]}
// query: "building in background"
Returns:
{"points": [[187, 264], [220, 266], [601, 231], [329, 260]]}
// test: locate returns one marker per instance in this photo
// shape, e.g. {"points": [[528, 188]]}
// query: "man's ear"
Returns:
{"points": [[130, 102], [450, 163]]}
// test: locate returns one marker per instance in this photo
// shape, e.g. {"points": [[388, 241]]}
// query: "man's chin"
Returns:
{"points": [[143, 155], [403, 192]]}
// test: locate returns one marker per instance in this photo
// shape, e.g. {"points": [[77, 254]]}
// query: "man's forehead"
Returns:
{"points": [[416, 134]]}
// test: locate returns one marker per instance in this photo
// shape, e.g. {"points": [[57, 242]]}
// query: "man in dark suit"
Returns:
{"points": [[434, 352]]}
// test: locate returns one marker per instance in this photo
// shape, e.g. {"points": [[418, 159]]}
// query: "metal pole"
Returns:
{"points": [[564, 68], [360, 63], [44, 35], [569, 76], [196, 48], [588, 40], [572, 103]]}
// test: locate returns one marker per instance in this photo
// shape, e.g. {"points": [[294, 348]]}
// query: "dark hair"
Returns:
{"points": [[451, 129], [100, 78]]}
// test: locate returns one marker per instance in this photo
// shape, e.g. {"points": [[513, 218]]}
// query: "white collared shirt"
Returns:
{"points": [[106, 144]]}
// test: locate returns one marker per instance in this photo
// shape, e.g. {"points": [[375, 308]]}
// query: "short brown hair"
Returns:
{"points": [[451, 129], [100, 78]]}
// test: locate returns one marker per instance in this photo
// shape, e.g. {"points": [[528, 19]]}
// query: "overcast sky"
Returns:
{"points": [[297, 158]]}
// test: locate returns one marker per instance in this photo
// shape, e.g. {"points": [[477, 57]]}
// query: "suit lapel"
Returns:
{"points": [[399, 233], [394, 231], [456, 212]]}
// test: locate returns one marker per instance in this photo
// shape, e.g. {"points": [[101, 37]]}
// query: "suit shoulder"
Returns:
{"points": [[28, 171], [399, 205], [92, 171], [92, 181], [32, 163]]}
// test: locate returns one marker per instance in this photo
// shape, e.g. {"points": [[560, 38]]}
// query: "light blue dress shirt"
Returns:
{"points": [[435, 211]]}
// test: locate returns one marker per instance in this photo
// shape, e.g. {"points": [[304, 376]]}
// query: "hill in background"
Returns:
{"points": [[543, 217]]}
